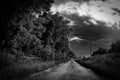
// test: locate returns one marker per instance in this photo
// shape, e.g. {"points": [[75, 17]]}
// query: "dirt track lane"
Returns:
{"points": [[67, 71]]}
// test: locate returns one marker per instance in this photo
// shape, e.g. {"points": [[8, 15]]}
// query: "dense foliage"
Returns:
{"points": [[10, 9], [34, 31], [114, 48], [100, 51]]}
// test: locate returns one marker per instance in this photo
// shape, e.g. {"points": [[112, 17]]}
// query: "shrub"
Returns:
{"points": [[100, 51], [115, 47], [6, 59]]}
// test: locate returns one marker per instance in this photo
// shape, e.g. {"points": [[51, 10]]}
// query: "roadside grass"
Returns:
{"points": [[24, 68], [107, 65]]}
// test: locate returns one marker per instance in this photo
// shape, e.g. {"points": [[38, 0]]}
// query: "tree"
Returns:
{"points": [[25, 28], [60, 36], [17, 8], [25, 34], [115, 47], [40, 33], [100, 51]]}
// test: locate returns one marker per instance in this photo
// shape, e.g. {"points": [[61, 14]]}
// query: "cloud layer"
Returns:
{"points": [[107, 11], [93, 21]]}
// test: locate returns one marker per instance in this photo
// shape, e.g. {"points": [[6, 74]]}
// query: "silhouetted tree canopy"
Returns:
{"points": [[33, 30], [100, 51], [11, 9], [115, 47]]}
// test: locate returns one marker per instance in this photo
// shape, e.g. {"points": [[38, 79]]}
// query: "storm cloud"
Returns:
{"points": [[58, 2], [93, 21], [85, 29]]}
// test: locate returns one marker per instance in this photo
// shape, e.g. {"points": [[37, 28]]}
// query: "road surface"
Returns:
{"points": [[66, 71]]}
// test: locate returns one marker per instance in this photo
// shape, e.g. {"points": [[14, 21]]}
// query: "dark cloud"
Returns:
{"points": [[91, 32], [57, 2], [94, 36], [98, 35]]}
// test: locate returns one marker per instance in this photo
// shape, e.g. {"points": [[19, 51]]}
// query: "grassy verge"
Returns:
{"points": [[107, 66], [24, 68]]}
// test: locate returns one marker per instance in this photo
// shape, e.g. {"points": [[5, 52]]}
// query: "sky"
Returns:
{"points": [[95, 23]]}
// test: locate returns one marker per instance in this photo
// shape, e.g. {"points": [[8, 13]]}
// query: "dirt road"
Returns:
{"points": [[66, 71]]}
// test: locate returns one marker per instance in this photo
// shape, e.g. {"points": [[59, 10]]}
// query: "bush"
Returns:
{"points": [[100, 51], [115, 47], [6, 59], [19, 71]]}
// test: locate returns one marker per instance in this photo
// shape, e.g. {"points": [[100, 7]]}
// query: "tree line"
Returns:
{"points": [[114, 48], [34, 31]]}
